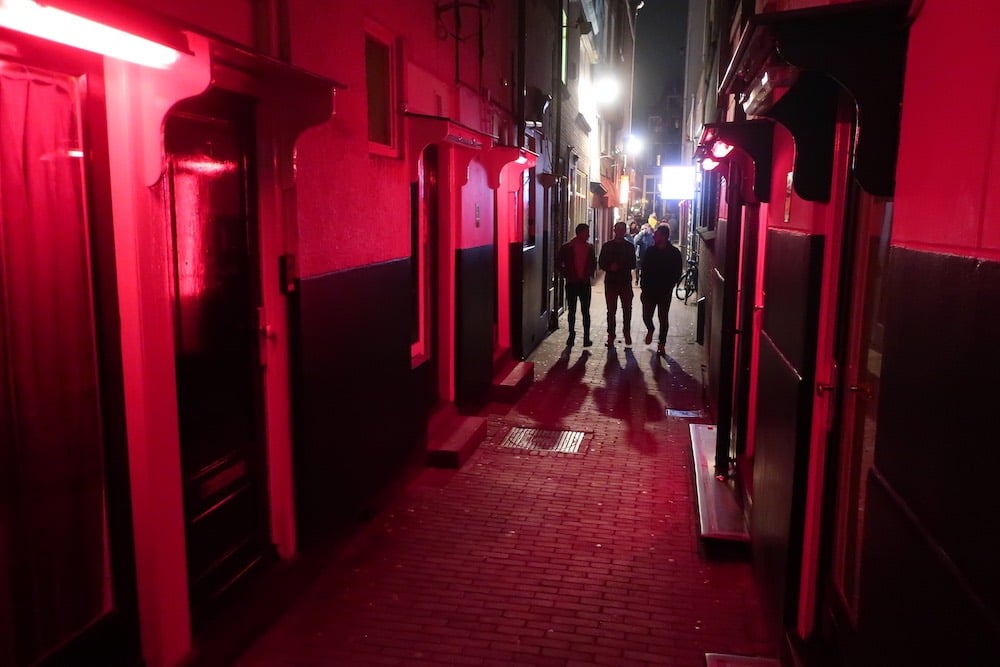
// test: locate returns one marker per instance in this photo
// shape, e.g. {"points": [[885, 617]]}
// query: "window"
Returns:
{"points": [[380, 71], [528, 209], [650, 194], [581, 193], [564, 65]]}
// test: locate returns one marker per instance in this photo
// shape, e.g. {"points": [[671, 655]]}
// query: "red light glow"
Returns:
{"points": [[207, 166], [708, 164], [721, 149], [59, 26]]}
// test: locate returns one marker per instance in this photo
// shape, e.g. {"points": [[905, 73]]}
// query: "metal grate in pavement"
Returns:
{"points": [[690, 414], [567, 442]]}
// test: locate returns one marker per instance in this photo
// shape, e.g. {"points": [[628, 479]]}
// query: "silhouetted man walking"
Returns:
{"points": [[576, 262], [617, 260]]}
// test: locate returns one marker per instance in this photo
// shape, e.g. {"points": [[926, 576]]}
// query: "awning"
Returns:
{"points": [[509, 160], [792, 65], [599, 195], [605, 194], [612, 190], [754, 138], [423, 130]]}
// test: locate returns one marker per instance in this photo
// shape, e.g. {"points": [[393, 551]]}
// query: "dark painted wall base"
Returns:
{"points": [[930, 587], [356, 421], [793, 263], [474, 322], [529, 300]]}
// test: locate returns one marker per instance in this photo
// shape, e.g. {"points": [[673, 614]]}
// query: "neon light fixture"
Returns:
{"points": [[721, 149], [72, 30], [677, 182]]}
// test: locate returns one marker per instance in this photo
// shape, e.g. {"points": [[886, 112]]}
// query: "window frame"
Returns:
{"points": [[377, 34]]}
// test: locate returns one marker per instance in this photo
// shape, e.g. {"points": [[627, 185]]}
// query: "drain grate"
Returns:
{"points": [[695, 414], [567, 442]]}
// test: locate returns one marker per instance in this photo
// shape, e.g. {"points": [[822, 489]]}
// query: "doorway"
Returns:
{"points": [[63, 461], [217, 304], [424, 262], [859, 353]]}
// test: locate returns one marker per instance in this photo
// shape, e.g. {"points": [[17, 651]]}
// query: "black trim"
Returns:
{"points": [[756, 139], [861, 47], [809, 112]]}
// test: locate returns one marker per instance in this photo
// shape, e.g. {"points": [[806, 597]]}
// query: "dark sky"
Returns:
{"points": [[661, 32]]}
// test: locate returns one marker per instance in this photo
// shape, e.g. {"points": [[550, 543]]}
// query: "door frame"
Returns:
{"points": [[289, 101]]}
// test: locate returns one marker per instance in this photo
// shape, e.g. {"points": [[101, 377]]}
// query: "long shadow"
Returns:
{"points": [[560, 393], [679, 389], [625, 395]]}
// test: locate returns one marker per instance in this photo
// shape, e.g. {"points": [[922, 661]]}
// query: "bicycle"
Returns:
{"points": [[688, 284]]}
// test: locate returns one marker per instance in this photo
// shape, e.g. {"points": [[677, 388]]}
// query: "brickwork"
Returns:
{"points": [[526, 557]]}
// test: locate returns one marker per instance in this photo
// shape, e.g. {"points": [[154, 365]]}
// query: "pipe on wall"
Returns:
{"points": [[271, 32]]}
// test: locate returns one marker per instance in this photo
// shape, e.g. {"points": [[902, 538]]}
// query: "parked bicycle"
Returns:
{"points": [[688, 284]]}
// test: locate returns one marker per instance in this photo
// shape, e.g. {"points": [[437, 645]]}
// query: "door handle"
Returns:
{"points": [[266, 334], [863, 389]]}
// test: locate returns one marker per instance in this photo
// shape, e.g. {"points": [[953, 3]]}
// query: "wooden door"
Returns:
{"points": [[217, 302]]}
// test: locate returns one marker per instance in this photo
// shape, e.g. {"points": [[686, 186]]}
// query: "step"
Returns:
{"points": [[452, 439], [511, 383], [720, 517], [727, 660]]}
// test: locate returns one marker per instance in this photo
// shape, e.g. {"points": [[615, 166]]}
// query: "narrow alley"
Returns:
{"points": [[533, 557]]}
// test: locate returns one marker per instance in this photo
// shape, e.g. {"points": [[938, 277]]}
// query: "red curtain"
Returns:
{"points": [[53, 545]]}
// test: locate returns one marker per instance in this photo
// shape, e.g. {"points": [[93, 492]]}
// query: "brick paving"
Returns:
{"points": [[526, 557]]}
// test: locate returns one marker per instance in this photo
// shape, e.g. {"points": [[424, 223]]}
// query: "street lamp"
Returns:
{"points": [[633, 145], [607, 89]]}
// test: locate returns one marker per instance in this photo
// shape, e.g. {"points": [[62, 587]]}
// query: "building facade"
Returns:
{"points": [[849, 255], [246, 262]]}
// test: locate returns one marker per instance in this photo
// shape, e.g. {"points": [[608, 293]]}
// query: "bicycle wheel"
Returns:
{"points": [[684, 286]]}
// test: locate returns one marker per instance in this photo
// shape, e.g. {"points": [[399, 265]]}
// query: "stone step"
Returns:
{"points": [[727, 660], [720, 517], [452, 438], [511, 383]]}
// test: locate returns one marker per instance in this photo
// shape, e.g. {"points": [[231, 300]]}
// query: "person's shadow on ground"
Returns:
{"points": [[560, 393], [679, 389], [625, 395]]}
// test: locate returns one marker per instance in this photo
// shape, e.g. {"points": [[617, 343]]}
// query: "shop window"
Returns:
{"points": [[381, 80]]}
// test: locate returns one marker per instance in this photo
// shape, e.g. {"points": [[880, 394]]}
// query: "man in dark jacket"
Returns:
{"points": [[661, 269], [618, 260], [577, 263]]}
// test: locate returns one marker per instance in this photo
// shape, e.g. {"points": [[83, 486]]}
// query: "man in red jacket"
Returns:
{"points": [[577, 263]]}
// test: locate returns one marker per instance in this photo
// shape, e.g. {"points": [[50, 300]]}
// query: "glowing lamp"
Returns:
{"points": [[607, 89], [677, 182], [633, 145], [73, 30], [721, 149], [755, 139]]}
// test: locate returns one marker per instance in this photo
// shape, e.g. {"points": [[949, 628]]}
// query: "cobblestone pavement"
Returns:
{"points": [[528, 557]]}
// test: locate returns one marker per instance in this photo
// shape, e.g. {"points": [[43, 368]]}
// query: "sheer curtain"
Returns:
{"points": [[54, 573]]}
